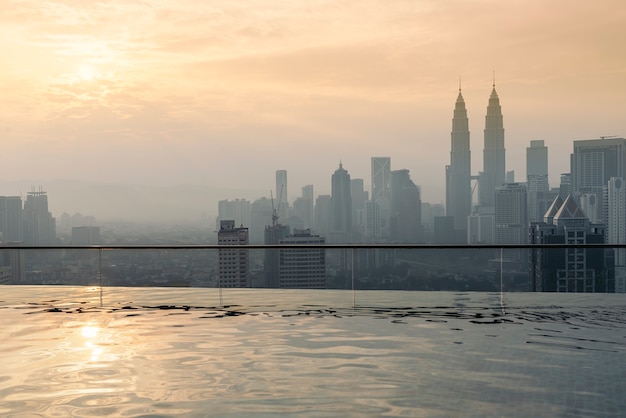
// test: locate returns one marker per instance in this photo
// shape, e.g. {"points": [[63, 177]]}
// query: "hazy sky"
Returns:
{"points": [[226, 92]]}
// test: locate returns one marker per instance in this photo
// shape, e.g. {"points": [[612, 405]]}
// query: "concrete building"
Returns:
{"points": [[239, 210], [594, 162], [381, 190], [303, 268], [86, 235], [273, 235], [234, 264], [494, 168], [511, 217], [39, 225], [341, 207], [359, 217], [481, 226], [458, 173], [11, 224], [616, 228], [406, 209], [536, 178], [568, 269]]}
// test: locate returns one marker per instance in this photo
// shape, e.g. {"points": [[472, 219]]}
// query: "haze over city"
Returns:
{"points": [[200, 101]]}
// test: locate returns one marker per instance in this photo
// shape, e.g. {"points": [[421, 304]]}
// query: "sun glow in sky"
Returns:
{"points": [[182, 91]]}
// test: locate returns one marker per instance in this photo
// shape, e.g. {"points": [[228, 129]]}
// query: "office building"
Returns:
{"points": [[458, 173], [381, 190], [595, 161], [493, 174], [616, 228], [11, 225], [39, 225], [481, 226], [304, 207], [233, 264], [341, 207], [303, 268], [568, 269], [536, 178], [86, 235], [274, 234], [511, 217], [359, 217], [238, 210], [406, 209]]}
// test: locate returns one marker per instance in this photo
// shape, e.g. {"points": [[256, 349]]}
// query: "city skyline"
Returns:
{"points": [[174, 93]]}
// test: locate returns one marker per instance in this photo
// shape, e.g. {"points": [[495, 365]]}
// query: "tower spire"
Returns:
{"points": [[494, 79], [459, 83]]}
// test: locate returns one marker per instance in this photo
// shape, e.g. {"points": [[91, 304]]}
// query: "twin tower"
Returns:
{"points": [[458, 173]]}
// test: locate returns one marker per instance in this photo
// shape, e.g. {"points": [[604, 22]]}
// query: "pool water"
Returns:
{"points": [[165, 352]]}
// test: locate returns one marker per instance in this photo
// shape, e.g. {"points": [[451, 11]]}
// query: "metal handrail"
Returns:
{"points": [[301, 246]]}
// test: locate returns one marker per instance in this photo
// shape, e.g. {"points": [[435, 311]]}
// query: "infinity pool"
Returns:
{"points": [[164, 352]]}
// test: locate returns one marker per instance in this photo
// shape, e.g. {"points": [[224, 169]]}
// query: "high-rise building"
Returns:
{"points": [[616, 228], [273, 235], [595, 161], [304, 207], [458, 173], [381, 177], [238, 210], [281, 193], [536, 178], [86, 235], [11, 228], [234, 264], [406, 209], [359, 197], [572, 269], [481, 226], [341, 207], [372, 214], [511, 218], [381, 190], [494, 169], [323, 214], [305, 267], [39, 225]]}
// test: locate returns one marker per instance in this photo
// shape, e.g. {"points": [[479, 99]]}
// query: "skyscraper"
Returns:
{"points": [[493, 174], [11, 228], [571, 269], [537, 179], [511, 219], [381, 177], [616, 228], [458, 173], [406, 208], [381, 191], [39, 225], [594, 162], [341, 206]]}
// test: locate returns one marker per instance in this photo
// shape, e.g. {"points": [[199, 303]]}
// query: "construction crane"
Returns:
{"points": [[276, 210]]}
